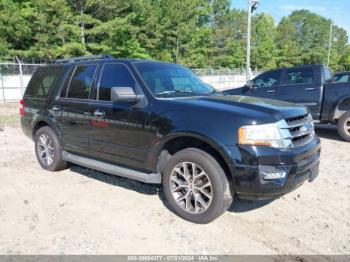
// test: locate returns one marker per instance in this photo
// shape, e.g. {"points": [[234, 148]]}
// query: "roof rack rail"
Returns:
{"points": [[81, 58]]}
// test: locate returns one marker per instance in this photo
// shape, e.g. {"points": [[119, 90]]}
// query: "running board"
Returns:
{"points": [[112, 169]]}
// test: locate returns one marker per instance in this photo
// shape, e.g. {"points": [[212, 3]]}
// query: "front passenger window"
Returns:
{"points": [[114, 75], [267, 79], [81, 82]]}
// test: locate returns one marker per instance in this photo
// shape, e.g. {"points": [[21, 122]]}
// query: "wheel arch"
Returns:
{"points": [[341, 108], [176, 142], [41, 122]]}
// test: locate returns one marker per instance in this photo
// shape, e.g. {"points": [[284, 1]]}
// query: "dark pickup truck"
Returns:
{"points": [[158, 122], [310, 85]]}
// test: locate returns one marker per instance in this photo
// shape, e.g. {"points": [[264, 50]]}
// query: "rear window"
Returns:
{"points": [[42, 81], [328, 75]]}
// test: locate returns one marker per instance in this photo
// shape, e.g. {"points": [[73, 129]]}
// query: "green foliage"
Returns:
{"points": [[197, 33], [263, 41]]}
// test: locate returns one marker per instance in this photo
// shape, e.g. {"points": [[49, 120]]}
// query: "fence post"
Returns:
{"points": [[2, 88], [20, 74]]}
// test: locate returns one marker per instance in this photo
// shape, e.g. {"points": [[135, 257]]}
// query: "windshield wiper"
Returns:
{"points": [[213, 92], [169, 92]]}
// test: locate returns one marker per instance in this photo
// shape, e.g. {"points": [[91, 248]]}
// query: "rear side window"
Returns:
{"points": [[42, 81], [299, 76], [81, 82], [114, 75]]}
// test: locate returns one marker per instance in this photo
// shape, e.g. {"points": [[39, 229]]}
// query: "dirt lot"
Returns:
{"points": [[80, 211]]}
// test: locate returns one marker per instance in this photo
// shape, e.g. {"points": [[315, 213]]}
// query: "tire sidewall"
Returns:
{"points": [[57, 160], [341, 126], [217, 178]]}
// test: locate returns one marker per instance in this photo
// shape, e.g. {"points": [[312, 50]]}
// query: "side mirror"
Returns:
{"points": [[124, 94]]}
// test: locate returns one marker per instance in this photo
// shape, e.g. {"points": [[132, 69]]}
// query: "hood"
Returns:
{"points": [[252, 107]]}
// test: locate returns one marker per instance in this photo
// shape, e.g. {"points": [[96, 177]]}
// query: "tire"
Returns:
{"points": [[344, 126], [217, 196], [52, 148]]}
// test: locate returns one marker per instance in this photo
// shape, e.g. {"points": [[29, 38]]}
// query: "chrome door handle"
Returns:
{"points": [[99, 113], [310, 89], [271, 91]]}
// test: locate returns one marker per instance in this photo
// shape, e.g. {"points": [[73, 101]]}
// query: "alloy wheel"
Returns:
{"points": [[191, 187], [347, 126], [45, 149]]}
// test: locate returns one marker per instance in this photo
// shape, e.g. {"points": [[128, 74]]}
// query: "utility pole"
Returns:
{"points": [[252, 6], [330, 44]]}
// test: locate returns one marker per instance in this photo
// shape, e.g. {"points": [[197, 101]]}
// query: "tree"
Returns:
{"points": [[197, 33], [312, 35], [289, 51], [228, 30], [263, 42], [345, 59]]}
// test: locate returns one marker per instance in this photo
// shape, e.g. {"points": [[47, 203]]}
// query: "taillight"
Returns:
{"points": [[21, 107]]}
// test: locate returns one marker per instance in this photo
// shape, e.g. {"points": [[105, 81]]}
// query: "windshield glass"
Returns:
{"points": [[165, 79]]}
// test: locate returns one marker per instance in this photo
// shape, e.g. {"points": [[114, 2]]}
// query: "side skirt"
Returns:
{"points": [[112, 169]]}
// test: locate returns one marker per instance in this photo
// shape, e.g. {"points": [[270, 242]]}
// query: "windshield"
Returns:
{"points": [[165, 79]]}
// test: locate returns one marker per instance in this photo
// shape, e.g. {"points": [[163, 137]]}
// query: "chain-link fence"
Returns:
{"points": [[223, 79], [14, 78]]}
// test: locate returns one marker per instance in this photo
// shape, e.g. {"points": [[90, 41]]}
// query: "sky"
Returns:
{"points": [[337, 10]]}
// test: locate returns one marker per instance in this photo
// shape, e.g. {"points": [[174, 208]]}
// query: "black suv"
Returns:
{"points": [[157, 122]]}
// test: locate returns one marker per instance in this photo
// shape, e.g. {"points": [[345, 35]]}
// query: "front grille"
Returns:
{"points": [[297, 131]]}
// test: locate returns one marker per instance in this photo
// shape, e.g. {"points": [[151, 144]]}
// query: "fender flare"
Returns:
{"points": [[155, 152], [336, 112], [47, 118]]}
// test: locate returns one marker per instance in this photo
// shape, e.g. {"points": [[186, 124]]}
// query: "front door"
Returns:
{"points": [[121, 133], [265, 85]]}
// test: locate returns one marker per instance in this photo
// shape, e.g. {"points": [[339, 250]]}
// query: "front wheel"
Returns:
{"points": [[344, 126], [195, 186]]}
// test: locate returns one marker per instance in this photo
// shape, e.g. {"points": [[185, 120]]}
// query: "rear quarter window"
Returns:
{"points": [[42, 82]]}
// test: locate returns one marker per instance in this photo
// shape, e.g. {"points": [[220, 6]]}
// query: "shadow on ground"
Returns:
{"points": [[328, 132], [241, 206], [238, 205]]}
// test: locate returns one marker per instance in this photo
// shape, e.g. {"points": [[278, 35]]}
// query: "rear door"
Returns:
{"points": [[120, 134], [73, 104], [265, 85], [302, 86], [38, 93]]}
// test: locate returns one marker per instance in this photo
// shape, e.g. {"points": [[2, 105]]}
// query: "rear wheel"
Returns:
{"points": [[344, 126], [195, 186], [48, 150]]}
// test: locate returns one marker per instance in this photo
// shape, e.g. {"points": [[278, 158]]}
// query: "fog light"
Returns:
{"points": [[273, 172]]}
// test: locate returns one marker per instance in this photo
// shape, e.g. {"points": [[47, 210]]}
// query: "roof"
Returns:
{"points": [[99, 58]]}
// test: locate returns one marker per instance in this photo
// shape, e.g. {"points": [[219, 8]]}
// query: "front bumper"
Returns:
{"points": [[302, 165]]}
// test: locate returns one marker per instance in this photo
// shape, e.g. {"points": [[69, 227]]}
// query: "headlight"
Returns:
{"points": [[262, 135]]}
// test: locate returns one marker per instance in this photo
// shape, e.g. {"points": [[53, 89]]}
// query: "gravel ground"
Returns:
{"points": [[81, 211]]}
